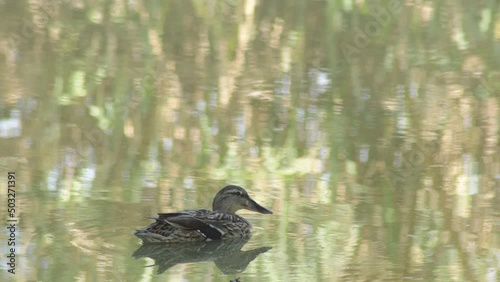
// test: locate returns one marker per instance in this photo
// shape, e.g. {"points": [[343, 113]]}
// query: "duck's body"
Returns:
{"points": [[202, 225], [195, 225]]}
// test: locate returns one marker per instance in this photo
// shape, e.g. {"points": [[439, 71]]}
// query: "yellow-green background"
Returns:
{"points": [[378, 153]]}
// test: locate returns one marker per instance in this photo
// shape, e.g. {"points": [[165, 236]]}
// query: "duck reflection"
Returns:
{"points": [[226, 254]]}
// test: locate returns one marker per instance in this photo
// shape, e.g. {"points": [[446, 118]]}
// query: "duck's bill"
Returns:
{"points": [[253, 206]]}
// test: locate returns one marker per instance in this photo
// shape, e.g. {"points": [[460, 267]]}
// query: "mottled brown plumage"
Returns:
{"points": [[202, 225]]}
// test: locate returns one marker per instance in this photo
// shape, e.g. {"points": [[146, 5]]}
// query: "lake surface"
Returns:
{"points": [[369, 128]]}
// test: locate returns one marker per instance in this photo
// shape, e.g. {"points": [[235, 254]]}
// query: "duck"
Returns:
{"points": [[220, 223]]}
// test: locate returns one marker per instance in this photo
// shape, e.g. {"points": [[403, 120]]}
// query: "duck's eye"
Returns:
{"points": [[239, 194]]}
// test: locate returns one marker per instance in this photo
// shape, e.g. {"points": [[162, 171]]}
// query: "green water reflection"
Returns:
{"points": [[369, 128]]}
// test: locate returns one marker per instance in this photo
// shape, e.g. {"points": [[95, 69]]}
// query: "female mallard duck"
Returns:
{"points": [[204, 225]]}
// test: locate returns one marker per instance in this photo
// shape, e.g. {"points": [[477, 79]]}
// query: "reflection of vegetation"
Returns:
{"points": [[260, 92]]}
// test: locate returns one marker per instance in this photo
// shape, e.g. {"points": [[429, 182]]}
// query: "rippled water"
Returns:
{"points": [[369, 129]]}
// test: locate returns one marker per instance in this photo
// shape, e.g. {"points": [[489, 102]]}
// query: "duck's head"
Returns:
{"points": [[233, 198]]}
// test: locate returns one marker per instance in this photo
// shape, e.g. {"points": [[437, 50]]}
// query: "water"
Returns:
{"points": [[370, 131]]}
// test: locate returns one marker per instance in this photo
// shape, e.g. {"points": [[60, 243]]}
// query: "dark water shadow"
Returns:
{"points": [[226, 254]]}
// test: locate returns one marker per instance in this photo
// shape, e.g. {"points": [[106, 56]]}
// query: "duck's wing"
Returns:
{"points": [[203, 221]]}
